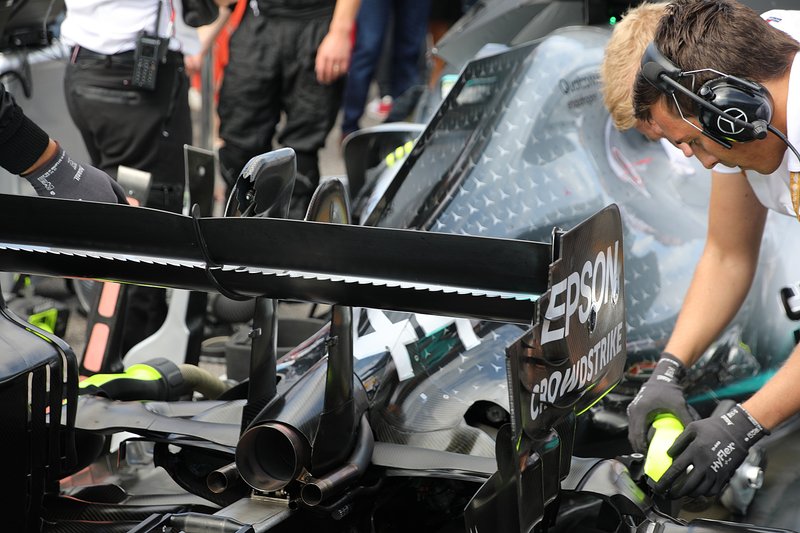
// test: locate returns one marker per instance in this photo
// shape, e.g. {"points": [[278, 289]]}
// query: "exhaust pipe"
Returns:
{"points": [[277, 445], [274, 455], [312, 427], [317, 490], [223, 478]]}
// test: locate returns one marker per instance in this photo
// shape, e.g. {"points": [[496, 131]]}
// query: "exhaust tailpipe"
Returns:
{"points": [[270, 455], [316, 490], [223, 478]]}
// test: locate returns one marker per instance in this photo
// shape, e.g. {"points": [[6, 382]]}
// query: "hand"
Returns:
{"points": [[62, 177], [333, 57], [193, 65], [660, 394], [714, 448]]}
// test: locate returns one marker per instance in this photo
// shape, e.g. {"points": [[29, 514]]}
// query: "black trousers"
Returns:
{"points": [[138, 128], [123, 125], [270, 72]]}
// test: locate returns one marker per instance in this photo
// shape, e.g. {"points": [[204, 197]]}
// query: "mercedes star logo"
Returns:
{"points": [[727, 126]]}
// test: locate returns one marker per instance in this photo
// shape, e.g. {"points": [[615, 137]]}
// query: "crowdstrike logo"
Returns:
{"points": [[553, 388], [726, 125]]}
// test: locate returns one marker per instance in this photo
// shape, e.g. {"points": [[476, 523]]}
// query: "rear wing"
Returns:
{"points": [[415, 271]]}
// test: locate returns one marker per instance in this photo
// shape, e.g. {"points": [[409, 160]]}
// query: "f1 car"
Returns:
{"points": [[430, 413]]}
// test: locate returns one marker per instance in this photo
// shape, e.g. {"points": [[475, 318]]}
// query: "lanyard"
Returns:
{"points": [[171, 23]]}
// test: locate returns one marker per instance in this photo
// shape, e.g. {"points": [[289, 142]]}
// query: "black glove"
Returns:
{"points": [[660, 394], [714, 448], [62, 177]]}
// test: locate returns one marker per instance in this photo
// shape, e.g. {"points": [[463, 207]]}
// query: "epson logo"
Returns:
{"points": [[592, 287]]}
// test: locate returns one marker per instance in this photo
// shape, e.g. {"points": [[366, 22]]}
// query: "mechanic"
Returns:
{"points": [[749, 178], [25, 149], [142, 121], [286, 56], [128, 94], [621, 63]]}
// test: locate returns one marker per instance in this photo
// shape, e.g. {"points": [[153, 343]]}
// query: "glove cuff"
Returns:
{"points": [[758, 431], [670, 367], [673, 358]]}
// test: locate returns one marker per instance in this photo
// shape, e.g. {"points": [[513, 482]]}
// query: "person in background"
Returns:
{"points": [[286, 56], [127, 92], [122, 119], [410, 26]]}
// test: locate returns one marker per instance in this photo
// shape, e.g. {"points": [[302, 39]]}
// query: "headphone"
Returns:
{"points": [[730, 109]]}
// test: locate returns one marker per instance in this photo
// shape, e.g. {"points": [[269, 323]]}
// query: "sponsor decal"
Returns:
{"points": [[588, 367], [582, 292], [402, 337], [45, 183], [588, 81]]}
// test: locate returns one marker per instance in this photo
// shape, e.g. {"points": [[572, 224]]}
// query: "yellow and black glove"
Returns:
{"points": [[661, 394], [714, 448]]}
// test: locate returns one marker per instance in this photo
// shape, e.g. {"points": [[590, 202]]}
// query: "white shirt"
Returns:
{"points": [[111, 26], [773, 190]]}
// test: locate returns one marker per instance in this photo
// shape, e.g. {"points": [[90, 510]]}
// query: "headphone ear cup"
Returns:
{"points": [[744, 100]]}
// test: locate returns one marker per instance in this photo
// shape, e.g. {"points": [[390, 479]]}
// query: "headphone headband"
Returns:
{"points": [[655, 65]]}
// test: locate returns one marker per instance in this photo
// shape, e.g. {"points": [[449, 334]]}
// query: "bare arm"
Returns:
{"points": [[780, 397], [333, 54], [726, 268], [207, 34]]}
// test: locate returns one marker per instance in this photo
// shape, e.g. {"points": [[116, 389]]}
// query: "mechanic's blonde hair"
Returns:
{"points": [[622, 58]]}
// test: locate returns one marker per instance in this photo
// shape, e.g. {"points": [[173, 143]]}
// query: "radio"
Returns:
{"points": [[150, 51]]}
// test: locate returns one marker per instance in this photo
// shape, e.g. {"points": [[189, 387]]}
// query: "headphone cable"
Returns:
{"points": [[782, 137]]}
